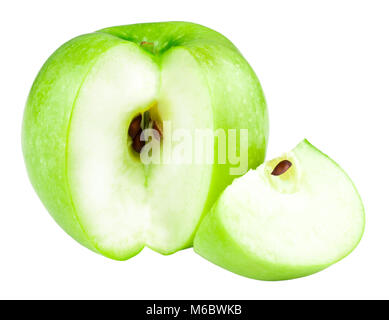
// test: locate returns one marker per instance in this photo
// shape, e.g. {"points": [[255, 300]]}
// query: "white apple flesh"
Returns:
{"points": [[293, 216]]}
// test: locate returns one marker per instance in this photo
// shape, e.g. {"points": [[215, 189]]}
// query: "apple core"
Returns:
{"points": [[149, 119]]}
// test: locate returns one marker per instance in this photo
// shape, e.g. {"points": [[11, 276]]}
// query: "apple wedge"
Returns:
{"points": [[83, 123], [293, 216]]}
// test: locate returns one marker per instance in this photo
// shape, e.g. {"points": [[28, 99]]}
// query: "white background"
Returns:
{"points": [[324, 67]]}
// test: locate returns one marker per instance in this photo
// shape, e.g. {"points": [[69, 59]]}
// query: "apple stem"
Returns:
{"points": [[143, 43], [149, 46]]}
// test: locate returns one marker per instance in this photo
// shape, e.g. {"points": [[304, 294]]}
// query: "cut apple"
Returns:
{"points": [[88, 108], [293, 216], [122, 205]]}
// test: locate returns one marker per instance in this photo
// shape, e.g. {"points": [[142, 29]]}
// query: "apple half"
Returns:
{"points": [[82, 151], [293, 216]]}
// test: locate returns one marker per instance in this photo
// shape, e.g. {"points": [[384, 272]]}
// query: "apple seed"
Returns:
{"points": [[281, 168], [138, 144], [134, 126]]}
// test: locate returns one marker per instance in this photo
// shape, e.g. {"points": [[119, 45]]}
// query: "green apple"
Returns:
{"points": [[293, 216], [87, 108]]}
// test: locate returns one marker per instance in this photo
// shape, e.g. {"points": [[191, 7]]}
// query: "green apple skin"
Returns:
{"points": [[216, 242], [50, 104], [46, 123]]}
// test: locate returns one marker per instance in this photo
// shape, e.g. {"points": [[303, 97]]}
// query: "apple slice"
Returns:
{"points": [[85, 116], [293, 216]]}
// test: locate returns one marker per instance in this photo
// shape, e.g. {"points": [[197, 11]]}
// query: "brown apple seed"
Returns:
{"points": [[137, 143], [134, 127], [281, 168]]}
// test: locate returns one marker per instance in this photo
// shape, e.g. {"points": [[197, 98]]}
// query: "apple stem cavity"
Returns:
{"points": [[281, 167]]}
